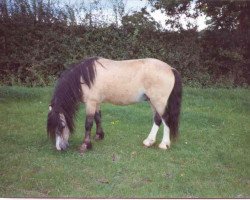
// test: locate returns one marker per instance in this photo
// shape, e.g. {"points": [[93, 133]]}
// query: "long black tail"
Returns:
{"points": [[173, 109]]}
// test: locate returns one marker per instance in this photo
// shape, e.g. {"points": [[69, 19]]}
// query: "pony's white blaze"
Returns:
{"points": [[58, 142], [66, 134], [152, 136], [165, 144], [62, 141]]}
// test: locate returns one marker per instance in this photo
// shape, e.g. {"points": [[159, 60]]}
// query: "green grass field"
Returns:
{"points": [[210, 159]]}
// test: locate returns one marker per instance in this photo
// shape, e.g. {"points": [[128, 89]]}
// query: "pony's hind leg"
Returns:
{"points": [[99, 131], [152, 135], [159, 106]]}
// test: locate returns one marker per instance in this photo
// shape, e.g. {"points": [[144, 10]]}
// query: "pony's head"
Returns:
{"points": [[65, 101], [58, 129]]}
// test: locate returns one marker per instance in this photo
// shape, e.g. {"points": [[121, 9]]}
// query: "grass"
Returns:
{"points": [[210, 159]]}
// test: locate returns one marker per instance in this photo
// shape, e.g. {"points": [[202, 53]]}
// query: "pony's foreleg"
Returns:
{"points": [[152, 135], [99, 132], [90, 113]]}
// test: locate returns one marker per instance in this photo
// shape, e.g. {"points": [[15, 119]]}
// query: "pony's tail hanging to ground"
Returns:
{"points": [[173, 108]]}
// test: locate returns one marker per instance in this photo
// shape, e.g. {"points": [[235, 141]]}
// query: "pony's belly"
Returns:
{"points": [[125, 98], [120, 101]]}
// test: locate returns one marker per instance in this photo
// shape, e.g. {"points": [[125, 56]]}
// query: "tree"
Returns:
{"points": [[119, 10], [140, 20], [226, 14], [174, 9], [223, 14]]}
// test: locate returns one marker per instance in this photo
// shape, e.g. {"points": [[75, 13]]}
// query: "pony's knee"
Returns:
{"points": [[89, 122]]}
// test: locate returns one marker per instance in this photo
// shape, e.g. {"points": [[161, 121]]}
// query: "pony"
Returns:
{"points": [[96, 80]]}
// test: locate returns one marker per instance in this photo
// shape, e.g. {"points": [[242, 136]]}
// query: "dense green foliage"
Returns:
{"points": [[39, 39], [209, 160]]}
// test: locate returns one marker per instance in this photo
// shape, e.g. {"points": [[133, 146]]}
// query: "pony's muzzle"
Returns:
{"points": [[61, 144], [64, 146]]}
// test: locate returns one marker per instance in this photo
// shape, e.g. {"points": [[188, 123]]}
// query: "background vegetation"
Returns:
{"points": [[40, 38]]}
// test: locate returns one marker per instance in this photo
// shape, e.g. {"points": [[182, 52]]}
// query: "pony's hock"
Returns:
{"points": [[96, 80]]}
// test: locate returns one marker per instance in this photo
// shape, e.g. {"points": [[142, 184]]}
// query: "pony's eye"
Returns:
{"points": [[58, 131]]}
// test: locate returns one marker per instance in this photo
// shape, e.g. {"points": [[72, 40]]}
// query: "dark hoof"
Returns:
{"points": [[99, 136], [84, 147]]}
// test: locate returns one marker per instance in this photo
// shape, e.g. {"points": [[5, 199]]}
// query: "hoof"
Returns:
{"points": [[84, 147], [148, 142], [164, 146], [99, 136]]}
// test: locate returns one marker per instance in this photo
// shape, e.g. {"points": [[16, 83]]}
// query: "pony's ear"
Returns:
{"points": [[50, 107]]}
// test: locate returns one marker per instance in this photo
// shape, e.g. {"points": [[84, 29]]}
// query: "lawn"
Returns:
{"points": [[210, 159]]}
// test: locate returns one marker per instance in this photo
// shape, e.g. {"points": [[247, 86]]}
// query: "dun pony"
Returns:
{"points": [[96, 80]]}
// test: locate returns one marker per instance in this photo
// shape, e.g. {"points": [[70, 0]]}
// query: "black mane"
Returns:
{"points": [[68, 93]]}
